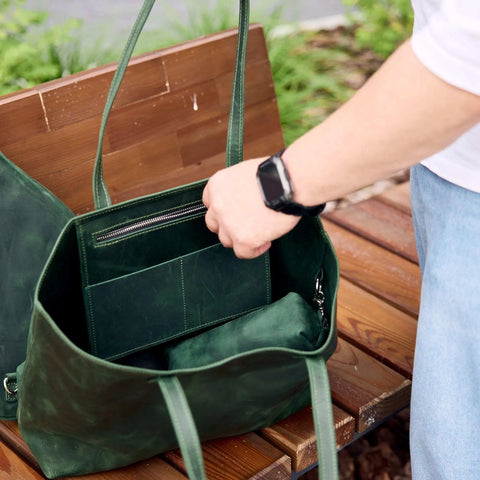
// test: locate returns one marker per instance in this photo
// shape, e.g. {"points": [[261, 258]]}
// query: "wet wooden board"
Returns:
{"points": [[364, 387], [171, 114], [379, 329], [246, 456], [380, 223], [376, 269]]}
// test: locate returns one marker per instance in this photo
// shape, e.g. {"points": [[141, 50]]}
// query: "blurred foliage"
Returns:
{"points": [[315, 73], [382, 24], [28, 58]]}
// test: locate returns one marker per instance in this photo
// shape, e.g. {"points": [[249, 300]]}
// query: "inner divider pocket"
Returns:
{"points": [[157, 304]]}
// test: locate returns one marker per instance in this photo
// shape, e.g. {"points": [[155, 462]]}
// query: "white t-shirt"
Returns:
{"points": [[446, 39]]}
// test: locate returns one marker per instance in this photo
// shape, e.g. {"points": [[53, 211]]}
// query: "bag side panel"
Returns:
{"points": [[31, 219]]}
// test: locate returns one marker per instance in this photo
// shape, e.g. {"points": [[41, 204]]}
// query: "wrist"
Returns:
{"points": [[301, 178]]}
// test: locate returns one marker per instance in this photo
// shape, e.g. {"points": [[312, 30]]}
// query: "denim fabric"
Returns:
{"points": [[445, 408]]}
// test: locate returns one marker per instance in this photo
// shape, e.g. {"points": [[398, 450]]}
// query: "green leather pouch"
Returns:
{"points": [[288, 323]]}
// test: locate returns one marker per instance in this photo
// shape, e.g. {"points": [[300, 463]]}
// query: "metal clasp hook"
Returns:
{"points": [[5, 386], [319, 296]]}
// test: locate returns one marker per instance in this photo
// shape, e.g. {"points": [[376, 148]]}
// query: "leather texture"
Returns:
{"points": [[288, 323], [81, 413], [31, 219], [184, 426]]}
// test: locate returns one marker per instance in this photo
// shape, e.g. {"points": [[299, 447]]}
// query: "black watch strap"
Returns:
{"points": [[293, 208], [274, 172]]}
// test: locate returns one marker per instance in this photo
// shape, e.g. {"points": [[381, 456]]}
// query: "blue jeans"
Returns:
{"points": [[445, 408]]}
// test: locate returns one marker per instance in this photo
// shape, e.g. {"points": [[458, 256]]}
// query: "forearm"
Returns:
{"points": [[402, 115]]}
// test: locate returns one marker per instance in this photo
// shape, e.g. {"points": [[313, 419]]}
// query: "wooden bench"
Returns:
{"points": [[168, 127]]}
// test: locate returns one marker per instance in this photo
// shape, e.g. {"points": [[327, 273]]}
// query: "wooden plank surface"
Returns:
{"points": [[244, 457], [397, 197], [296, 435], [380, 223], [12, 467], [379, 329], [367, 389], [376, 269]]}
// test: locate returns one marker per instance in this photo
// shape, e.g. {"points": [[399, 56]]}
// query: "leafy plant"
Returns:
{"points": [[383, 24], [28, 57]]}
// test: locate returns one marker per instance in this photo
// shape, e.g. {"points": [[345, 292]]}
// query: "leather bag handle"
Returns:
{"points": [[234, 150], [189, 441]]}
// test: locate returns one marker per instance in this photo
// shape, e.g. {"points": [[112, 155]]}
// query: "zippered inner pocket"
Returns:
{"points": [[139, 226], [152, 278]]}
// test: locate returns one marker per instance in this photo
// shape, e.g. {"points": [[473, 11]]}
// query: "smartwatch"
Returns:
{"points": [[277, 191]]}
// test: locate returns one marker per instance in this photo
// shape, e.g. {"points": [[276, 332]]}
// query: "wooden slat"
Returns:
{"points": [[240, 458], [376, 269], [397, 197], [296, 436], [364, 387], [21, 116], [139, 121], [186, 67], [10, 436], [44, 155], [379, 329], [83, 95], [153, 468], [381, 224]]}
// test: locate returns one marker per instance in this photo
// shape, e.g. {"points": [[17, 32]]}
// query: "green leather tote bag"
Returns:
{"points": [[31, 218], [147, 334]]}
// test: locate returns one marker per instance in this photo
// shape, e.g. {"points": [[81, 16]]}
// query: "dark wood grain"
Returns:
{"points": [[380, 223], [244, 457], [376, 269], [379, 329], [12, 467], [367, 389], [296, 436]]}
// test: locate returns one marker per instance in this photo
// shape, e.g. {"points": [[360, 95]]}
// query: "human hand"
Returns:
{"points": [[237, 213]]}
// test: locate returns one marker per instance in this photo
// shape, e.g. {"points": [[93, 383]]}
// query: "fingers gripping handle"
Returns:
{"points": [[184, 426], [323, 418]]}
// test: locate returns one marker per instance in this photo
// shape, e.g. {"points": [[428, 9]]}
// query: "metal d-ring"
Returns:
{"points": [[5, 386]]}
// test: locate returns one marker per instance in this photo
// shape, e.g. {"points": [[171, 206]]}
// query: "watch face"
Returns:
{"points": [[271, 183]]}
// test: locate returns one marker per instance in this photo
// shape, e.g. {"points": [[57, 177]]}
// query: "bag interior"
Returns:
{"points": [[137, 268]]}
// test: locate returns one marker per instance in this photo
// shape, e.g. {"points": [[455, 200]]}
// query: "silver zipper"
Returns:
{"points": [[135, 227]]}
